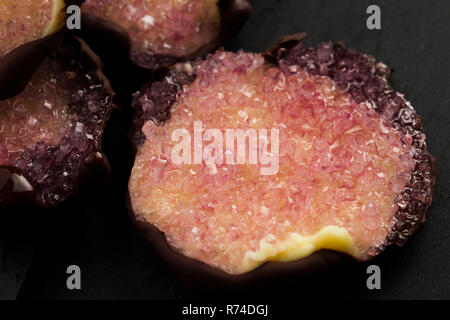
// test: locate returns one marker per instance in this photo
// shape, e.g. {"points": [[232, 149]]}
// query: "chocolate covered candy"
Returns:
{"points": [[159, 32], [52, 130], [332, 159]]}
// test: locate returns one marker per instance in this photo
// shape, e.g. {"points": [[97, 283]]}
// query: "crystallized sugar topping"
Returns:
{"points": [[175, 28], [38, 116], [339, 162], [366, 80], [22, 21]]}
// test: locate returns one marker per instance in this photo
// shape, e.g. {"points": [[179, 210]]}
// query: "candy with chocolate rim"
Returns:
{"points": [[50, 133], [159, 32], [352, 172]]}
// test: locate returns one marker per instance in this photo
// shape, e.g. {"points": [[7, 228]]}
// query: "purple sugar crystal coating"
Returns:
{"points": [[154, 100], [53, 169]]}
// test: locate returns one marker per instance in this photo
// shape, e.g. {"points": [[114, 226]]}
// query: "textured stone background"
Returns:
{"points": [[94, 231]]}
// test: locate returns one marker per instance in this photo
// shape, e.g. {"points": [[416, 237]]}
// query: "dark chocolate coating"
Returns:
{"points": [[18, 66], [112, 44], [15, 189], [362, 77], [116, 41], [73, 2], [94, 168], [201, 275]]}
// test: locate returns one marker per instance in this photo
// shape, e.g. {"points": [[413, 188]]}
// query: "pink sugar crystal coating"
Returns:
{"points": [[15, 30], [340, 163], [49, 128], [367, 81], [175, 27], [39, 114]]}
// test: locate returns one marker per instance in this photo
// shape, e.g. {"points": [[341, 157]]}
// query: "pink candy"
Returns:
{"points": [[339, 164]]}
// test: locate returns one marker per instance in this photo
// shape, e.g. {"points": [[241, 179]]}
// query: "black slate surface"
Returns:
{"points": [[93, 230]]}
